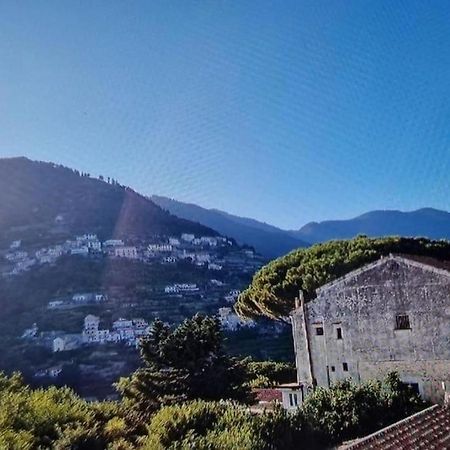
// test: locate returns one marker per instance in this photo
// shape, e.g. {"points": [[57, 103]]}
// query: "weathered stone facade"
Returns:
{"points": [[393, 314]]}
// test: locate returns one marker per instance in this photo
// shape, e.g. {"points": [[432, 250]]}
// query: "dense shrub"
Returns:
{"points": [[219, 426], [53, 417], [264, 374], [348, 410]]}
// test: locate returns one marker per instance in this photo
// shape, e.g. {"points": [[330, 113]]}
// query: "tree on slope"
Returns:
{"points": [[183, 364]]}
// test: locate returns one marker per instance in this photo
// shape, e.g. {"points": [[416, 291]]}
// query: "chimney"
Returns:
{"points": [[300, 300]]}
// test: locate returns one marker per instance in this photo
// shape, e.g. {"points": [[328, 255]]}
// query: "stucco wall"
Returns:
{"points": [[364, 305]]}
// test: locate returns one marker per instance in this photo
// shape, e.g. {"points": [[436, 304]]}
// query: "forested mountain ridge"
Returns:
{"points": [[427, 222], [268, 240], [42, 198]]}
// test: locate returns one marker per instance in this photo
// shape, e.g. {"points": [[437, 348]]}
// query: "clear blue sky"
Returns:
{"points": [[282, 111]]}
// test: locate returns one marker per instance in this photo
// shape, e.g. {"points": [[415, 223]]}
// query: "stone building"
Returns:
{"points": [[390, 315]]}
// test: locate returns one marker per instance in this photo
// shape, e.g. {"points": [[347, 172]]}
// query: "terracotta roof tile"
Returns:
{"points": [[267, 395], [428, 429]]}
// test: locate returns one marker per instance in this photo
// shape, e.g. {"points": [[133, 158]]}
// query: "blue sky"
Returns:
{"points": [[283, 111]]}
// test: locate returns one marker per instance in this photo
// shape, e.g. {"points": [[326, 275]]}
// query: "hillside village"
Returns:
{"points": [[202, 251], [99, 317]]}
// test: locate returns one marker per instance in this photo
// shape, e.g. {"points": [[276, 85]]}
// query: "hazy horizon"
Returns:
{"points": [[287, 114]]}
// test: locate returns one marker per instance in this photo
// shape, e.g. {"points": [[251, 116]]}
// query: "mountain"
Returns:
{"points": [[43, 198], [268, 240], [425, 222]]}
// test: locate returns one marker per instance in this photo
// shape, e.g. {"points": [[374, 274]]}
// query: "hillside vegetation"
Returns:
{"points": [[189, 394], [275, 286], [38, 199]]}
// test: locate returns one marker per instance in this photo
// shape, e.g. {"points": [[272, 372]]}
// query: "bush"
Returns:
{"points": [[265, 374], [346, 410], [220, 426]]}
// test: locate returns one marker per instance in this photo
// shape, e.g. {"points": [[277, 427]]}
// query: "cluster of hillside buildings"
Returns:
{"points": [[78, 299], [127, 331], [201, 251]]}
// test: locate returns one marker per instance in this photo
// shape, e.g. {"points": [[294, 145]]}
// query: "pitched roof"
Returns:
{"points": [[432, 264], [429, 429], [267, 395]]}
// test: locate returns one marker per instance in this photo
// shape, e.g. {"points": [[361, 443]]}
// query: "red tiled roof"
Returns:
{"points": [[267, 395], [428, 429]]}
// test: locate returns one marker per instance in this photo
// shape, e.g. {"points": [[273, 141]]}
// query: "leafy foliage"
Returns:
{"points": [[34, 193], [53, 417], [264, 374], [275, 286], [217, 426], [347, 410], [183, 364]]}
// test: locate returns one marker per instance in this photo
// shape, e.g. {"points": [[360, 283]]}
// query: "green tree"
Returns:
{"points": [[183, 364], [275, 286]]}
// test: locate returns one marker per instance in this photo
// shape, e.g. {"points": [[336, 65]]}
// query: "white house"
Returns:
{"points": [[187, 237], [90, 331], [232, 296], [100, 298], [207, 240], [160, 248], [203, 258], [30, 332], [174, 241], [213, 266], [55, 304], [170, 259], [171, 289], [66, 343], [83, 251], [113, 243], [126, 252]]}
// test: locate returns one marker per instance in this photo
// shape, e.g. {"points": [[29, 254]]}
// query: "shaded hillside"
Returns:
{"points": [[266, 239], [275, 286], [426, 222], [46, 198]]}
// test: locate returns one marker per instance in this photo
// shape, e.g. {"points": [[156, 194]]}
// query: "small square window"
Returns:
{"points": [[319, 331], [339, 333], [402, 322], [333, 369], [345, 367]]}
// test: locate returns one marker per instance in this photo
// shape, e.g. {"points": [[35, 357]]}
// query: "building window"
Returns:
{"points": [[319, 331], [402, 322], [293, 401], [339, 333], [345, 367], [333, 369]]}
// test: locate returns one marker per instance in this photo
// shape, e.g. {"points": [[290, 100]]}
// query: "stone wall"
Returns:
{"points": [[352, 326]]}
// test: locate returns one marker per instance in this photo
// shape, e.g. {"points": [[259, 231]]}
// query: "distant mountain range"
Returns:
{"points": [[272, 241], [47, 199], [39, 199], [425, 222], [268, 240]]}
